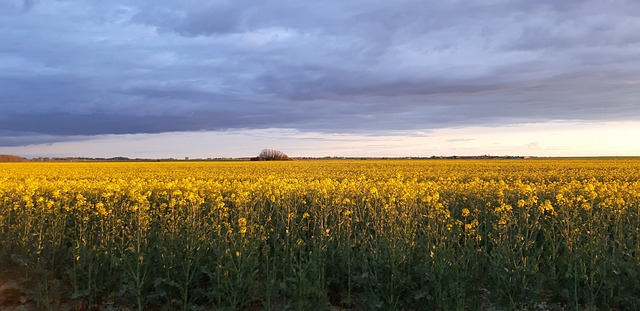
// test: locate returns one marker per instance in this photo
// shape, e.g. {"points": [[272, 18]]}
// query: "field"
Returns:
{"points": [[331, 234]]}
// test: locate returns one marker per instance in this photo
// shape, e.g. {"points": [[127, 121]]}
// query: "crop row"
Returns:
{"points": [[418, 235]]}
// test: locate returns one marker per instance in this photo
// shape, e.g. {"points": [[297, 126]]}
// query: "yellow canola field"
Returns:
{"points": [[354, 234]]}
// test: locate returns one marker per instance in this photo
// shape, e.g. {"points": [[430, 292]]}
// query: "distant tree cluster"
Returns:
{"points": [[11, 158], [271, 155]]}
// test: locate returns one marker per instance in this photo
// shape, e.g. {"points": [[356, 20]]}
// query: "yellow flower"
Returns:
{"points": [[546, 207], [465, 212], [242, 223]]}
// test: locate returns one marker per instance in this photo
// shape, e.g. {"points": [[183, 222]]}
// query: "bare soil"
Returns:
{"points": [[12, 287]]}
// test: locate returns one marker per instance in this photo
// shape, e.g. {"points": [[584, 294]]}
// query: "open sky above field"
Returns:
{"points": [[168, 78]]}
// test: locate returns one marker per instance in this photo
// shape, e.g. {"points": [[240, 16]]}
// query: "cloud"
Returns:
{"points": [[10, 7], [534, 145], [546, 139], [459, 140], [88, 68]]}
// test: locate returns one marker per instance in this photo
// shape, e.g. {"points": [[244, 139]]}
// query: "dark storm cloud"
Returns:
{"points": [[77, 68]]}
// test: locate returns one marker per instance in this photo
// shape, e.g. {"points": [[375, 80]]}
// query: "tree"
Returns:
{"points": [[272, 155], [11, 158]]}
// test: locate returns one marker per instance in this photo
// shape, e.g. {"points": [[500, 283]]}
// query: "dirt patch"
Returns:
{"points": [[12, 290]]}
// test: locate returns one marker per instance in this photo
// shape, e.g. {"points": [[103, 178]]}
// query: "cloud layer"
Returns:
{"points": [[81, 68]]}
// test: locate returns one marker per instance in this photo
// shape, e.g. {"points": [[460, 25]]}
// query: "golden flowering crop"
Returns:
{"points": [[401, 234]]}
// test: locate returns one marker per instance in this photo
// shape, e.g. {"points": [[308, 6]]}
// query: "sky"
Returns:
{"points": [[200, 79]]}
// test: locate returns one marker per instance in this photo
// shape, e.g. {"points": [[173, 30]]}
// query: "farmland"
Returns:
{"points": [[362, 235]]}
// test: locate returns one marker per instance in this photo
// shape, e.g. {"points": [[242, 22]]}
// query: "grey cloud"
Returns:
{"points": [[28, 4], [99, 123], [223, 17], [212, 20], [21, 138], [87, 124], [17, 6], [88, 68]]}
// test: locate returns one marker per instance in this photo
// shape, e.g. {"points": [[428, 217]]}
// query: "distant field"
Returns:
{"points": [[362, 235]]}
